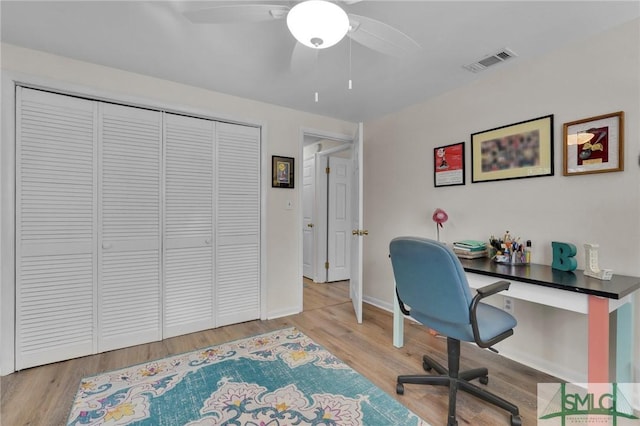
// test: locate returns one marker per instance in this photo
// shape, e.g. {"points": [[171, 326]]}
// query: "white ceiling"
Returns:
{"points": [[253, 60]]}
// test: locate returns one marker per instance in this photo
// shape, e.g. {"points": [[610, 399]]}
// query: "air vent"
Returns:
{"points": [[490, 60]]}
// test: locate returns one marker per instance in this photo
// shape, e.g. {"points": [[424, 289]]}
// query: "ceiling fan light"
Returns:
{"points": [[318, 23]]}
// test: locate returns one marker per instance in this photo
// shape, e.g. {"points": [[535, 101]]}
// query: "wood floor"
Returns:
{"points": [[43, 395]]}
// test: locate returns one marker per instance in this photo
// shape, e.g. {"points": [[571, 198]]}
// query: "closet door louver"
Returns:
{"points": [[237, 223], [56, 143], [188, 240], [129, 312]]}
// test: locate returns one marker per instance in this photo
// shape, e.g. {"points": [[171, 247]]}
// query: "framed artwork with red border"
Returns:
{"points": [[594, 145], [448, 165]]}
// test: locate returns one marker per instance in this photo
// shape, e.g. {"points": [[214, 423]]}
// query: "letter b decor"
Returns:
{"points": [[563, 256]]}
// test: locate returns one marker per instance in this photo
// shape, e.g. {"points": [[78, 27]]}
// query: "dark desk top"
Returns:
{"points": [[617, 288]]}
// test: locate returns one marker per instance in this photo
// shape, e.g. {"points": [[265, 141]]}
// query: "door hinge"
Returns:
{"points": [[326, 265], [327, 170]]}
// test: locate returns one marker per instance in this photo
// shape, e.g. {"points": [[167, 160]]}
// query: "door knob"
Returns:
{"points": [[364, 232], [310, 225], [106, 246], [355, 232], [207, 241]]}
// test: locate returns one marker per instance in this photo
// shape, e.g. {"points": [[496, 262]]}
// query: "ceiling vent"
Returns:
{"points": [[490, 60]]}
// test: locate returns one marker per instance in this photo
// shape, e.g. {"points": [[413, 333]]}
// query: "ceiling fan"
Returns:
{"points": [[315, 24]]}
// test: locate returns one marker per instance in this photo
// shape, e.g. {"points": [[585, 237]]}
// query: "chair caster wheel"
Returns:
{"points": [[516, 421], [425, 366], [400, 389], [484, 380]]}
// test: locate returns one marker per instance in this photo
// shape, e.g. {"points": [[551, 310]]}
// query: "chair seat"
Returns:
{"points": [[492, 322]]}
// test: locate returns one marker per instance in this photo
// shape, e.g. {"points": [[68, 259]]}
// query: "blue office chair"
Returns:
{"points": [[430, 278]]}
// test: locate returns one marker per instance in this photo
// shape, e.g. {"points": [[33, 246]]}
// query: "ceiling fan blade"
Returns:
{"points": [[303, 59], [380, 37], [237, 13]]}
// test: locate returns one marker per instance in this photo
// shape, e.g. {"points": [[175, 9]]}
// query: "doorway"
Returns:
{"points": [[326, 192], [341, 225]]}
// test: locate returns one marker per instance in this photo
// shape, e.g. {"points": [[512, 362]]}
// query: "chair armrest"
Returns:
{"points": [[403, 307], [494, 288], [481, 294]]}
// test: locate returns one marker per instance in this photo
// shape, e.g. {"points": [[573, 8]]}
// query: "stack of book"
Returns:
{"points": [[470, 249]]}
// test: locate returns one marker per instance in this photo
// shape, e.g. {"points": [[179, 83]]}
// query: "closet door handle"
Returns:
{"points": [[106, 245], [207, 241]]}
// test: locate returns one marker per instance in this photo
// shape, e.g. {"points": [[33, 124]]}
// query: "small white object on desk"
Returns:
{"points": [[591, 268]]}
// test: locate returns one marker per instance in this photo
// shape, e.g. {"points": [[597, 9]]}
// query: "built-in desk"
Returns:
{"points": [[572, 291]]}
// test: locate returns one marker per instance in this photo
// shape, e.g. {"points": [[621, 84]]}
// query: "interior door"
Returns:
{"points": [[339, 219], [355, 283], [320, 217], [129, 231], [188, 224], [56, 154], [237, 249], [308, 232]]}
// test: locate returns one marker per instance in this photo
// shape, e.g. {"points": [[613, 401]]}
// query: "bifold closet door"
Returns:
{"points": [[129, 266], [56, 144], [188, 237], [237, 223], [104, 259]]}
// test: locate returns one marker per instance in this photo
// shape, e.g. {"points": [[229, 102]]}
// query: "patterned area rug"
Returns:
{"points": [[275, 379]]}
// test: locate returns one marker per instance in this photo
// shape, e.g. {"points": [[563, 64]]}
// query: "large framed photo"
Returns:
{"points": [[448, 165], [282, 171], [515, 151], [594, 145]]}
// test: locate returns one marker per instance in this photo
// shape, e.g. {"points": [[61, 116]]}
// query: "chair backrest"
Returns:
{"points": [[430, 279]]}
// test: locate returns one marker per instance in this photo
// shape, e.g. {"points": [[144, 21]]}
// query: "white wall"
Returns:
{"points": [[599, 76], [282, 137]]}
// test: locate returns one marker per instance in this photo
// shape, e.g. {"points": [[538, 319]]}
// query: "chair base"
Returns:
{"points": [[458, 380]]}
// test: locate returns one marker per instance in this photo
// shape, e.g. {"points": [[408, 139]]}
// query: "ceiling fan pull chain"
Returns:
{"points": [[350, 82]]}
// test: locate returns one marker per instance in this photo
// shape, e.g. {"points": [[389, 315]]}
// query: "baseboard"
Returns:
{"points": [[282, 313], [378, 303], [570, 376]]}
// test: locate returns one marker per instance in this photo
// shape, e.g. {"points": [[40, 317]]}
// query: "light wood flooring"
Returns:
{"points": [[43, 395]]}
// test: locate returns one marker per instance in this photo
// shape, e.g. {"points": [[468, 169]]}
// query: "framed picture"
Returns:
{"points": [[594, 145], [282, 172], [519, 150], [448, 165]]}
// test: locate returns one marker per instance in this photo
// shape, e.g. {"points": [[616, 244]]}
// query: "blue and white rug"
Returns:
{"points": [[275, 379]]}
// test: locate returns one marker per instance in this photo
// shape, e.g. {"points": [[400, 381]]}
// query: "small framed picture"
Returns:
{"points": [[515, 151], [448, 165], [282, 171], [594, 145]]}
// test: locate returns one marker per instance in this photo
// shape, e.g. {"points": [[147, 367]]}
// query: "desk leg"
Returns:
{"points": [[398, 321], [598, 340], [624, 343]]}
